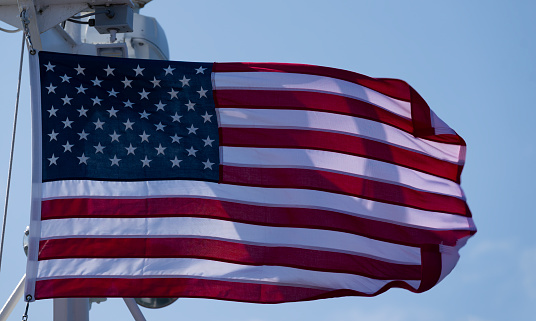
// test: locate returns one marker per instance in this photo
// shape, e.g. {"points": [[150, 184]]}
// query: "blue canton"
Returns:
{"points": [[127, 119]]}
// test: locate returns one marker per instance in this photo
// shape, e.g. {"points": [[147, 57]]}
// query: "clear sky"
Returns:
{"points": [[472, 61]]}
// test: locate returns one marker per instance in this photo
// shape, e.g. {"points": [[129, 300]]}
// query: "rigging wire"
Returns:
{"points": [[11, 152]]}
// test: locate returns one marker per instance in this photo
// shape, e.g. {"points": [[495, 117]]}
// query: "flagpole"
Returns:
{"points": [[71, 309]]}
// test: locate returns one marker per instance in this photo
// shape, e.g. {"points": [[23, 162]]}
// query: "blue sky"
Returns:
{"points": [[472, 61]]}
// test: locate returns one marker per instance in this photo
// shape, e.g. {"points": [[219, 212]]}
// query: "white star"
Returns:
{"points": [[144, 94], [206, 118], [79, 70], [169, 70], [53, 160], [208, 141], [66, 100], [190, 105], [67, 147], [128, 104], [96, 82], [115, 160], [96, 100], [155, 82], [173, 93], [138, 70], [185, 81], [128, 124], [98, 124], [67, 123], [113, 93], [113, 112], [146, 162], [192, 130], [83, 159], [115, 136], [159, 126], [65, 78], [82, 111], [144, 115], [52, 111], [202, 92], [81, 89], [176, 118], [200, 70], [160, 106], [127, 82], [176, 162], [175, 139], [207, 164], [160, 149], [99, 148], [144, 137], [109, 71], [191, 151], [130, 149], [83, 135], [51, 89], [50, 66], [53, 136]]}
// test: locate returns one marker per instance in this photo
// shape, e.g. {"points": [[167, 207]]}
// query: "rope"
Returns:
{"points": [[11, 152]]}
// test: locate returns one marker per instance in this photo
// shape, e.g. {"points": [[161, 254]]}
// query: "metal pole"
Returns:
{"points": [[71, 309], [134, 309], [13, 299]]}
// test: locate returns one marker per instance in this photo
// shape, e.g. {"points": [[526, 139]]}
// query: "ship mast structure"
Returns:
{"points": [[113, 28]]}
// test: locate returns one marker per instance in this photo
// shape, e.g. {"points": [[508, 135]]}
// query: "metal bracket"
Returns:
{"points": [[29, 23]]}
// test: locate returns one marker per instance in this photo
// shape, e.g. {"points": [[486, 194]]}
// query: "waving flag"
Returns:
{"points": [[257, 182]]}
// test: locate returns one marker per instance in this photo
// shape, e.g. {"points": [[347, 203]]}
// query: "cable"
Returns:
{"points": [[152, 44], [9, 31], [11, 152], [82, 22], [91, 22], [108, 13]]}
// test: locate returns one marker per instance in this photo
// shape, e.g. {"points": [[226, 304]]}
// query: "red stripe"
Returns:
{"points": [[394, 88], [420, 114], [314, 101], [431, 271], [225, 251], [190, 288], [336, 142], [391, 87], [246, 213], [343, 184]]}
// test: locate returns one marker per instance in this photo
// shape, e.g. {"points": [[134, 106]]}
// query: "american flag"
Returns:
{"points": [[256, 182]]}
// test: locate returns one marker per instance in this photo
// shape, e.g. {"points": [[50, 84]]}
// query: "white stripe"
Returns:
{"points": [[205, 269], [303, 82], [323, 121], [259, 196], [340, 163], [313, 239]]}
